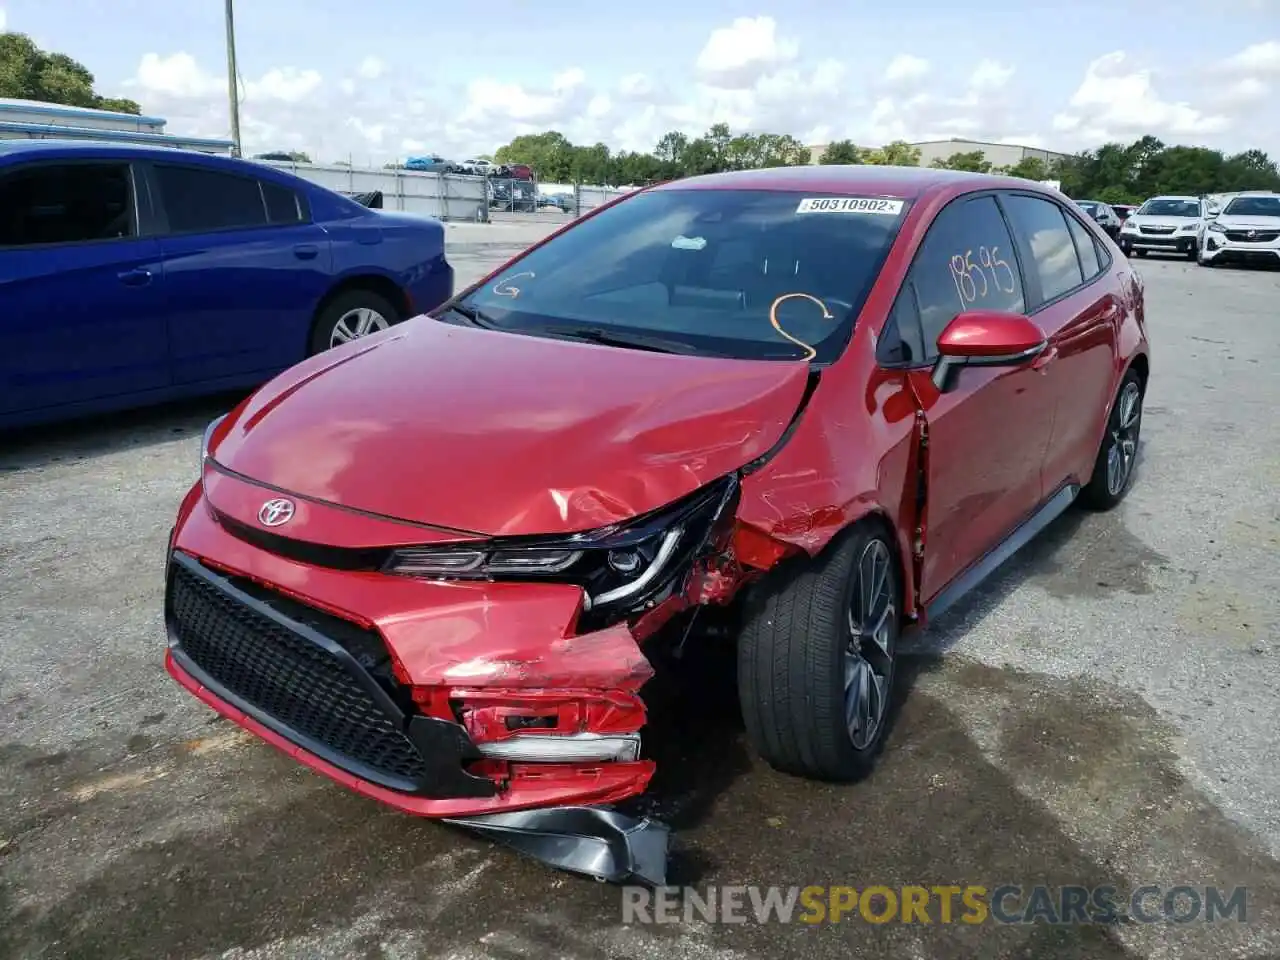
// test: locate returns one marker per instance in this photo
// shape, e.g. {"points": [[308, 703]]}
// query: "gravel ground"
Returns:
{"points": [[1104, 712]]}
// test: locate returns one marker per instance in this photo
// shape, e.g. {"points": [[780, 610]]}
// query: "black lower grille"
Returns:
{"points": [[1157, 231], [314, 692], [1256, 236]]}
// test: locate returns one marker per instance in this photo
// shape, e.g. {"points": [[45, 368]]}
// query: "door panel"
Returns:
{"points": [[986, 435], [986, 441], [244, 270], [1080, 317], [82, 297]]}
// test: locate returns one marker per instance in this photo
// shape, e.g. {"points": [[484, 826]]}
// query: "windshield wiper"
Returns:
{"points": [[621, 338], [477, 318]]}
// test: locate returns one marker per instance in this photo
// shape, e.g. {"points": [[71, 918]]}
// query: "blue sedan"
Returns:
{"points": [[132, 275]]}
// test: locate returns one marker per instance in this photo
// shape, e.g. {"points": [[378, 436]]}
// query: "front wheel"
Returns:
{"points": [[817, 655], [1113, 469], [1193, 251]]}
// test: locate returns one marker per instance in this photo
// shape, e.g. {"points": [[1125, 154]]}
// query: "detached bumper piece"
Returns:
{"points": [[604, 844]]}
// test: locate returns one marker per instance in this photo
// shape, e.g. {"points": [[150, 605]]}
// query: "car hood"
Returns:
{"points": [[499, 434], [1249, 223], [1147, 220]]}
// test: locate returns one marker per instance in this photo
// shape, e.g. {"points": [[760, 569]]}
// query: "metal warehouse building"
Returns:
{"points": [[997, 154], [32, 120]]}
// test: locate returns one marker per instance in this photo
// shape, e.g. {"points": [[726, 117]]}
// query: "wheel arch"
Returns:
{"points": [[375, 283]]}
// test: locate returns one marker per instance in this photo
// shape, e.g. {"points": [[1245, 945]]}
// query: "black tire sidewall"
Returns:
{"points": [[1095, 493], [333, 311]]}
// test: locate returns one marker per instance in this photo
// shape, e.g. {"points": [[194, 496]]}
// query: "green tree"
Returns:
{"points": [[29, 73], [842, 152], [975, 161], [1029, 168], [896, 154], [671, 147]]}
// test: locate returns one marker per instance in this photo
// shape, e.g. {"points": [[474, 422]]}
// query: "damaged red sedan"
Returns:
{"points": [[437, 564]]}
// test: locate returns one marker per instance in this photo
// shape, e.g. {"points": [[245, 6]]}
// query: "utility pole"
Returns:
{"points": [[233, 81]]}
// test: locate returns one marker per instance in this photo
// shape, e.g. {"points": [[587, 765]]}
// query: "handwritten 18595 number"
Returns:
{"points": [[970, 278]]}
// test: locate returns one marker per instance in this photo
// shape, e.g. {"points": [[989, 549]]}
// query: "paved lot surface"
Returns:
{"points": [[1106, 711]]}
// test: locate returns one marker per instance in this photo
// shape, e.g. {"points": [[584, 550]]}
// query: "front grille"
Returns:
{"points": [[1258, 236], [314, 693], [1157, 231]]}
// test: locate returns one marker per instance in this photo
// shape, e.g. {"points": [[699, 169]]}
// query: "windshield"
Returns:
{"points": [[1253, 207], [1088, 206], [737, 273], [1164, 207]]}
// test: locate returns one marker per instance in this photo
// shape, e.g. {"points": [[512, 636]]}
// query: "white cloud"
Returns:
{"points": [[371, 68], [906, 69], [1258, 60], [1116, 100], [735, 56], [749, 74]]}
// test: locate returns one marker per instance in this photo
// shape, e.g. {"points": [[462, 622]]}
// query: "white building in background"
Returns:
{"points": [[32, 120], [996, 154]]}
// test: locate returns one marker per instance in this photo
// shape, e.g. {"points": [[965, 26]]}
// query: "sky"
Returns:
{"points": [[389, 78]]}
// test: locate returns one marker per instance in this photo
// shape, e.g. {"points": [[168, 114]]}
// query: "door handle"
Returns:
{"points": [[1046, 357], [306, 251], [135, 278]]}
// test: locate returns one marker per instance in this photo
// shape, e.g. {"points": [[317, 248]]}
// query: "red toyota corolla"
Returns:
{"points": [[436, 564]]}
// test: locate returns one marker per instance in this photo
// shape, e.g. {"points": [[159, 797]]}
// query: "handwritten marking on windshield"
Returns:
{"points": [[503, 287], [810, 353]]}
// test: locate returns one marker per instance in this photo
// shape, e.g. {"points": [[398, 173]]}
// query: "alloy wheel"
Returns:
{"points": [[1124, 438], [869, 652], [357, 323]]}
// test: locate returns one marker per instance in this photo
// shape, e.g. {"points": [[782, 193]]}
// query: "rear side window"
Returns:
{"points": [[283, 205], [966, 262], [1085, 247], [66, 203], [1044, 227], [198, 200]]}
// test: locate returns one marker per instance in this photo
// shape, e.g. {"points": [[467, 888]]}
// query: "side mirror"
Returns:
{"points": [[986, 338]]}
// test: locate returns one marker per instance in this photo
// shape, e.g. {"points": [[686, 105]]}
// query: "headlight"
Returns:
{"points": [[1129, 227], [208, 435], [620, 568], [1192, 227], [1217, 228]]}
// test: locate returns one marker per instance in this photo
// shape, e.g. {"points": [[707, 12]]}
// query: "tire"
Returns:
{"points": [[794, 660], [1194, 252], [1124, 426], [351, 311]]}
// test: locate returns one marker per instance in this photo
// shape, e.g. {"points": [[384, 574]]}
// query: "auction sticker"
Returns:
{"points": [[890, 208]]}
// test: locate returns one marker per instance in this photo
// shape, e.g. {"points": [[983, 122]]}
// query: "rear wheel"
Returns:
{"points": [[1113, 470], [817, 655], [350, 316]]}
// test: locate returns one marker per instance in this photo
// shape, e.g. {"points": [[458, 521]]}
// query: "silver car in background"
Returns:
{"points": [[1169, 224]]}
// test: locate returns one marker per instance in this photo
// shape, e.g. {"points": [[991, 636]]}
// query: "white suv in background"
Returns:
{"points": [[1164, 225], [1246, 230]]}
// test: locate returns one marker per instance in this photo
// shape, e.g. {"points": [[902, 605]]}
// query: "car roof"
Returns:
{"points": [[904, 182], [1173, 196]]}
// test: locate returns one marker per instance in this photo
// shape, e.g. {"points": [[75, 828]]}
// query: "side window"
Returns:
{"points": [[900, 341], [199, 200], [966, 262], [283, 205], [66, 203], [1053, 252], [1085, 247]]}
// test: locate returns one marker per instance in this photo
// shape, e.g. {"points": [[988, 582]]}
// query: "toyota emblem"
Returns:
{"points": [[276, 512]]}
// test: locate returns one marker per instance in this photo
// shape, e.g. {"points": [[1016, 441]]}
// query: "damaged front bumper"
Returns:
{"points": [[312, 686]]}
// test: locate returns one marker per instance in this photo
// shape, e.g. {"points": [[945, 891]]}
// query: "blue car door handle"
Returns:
{"points": [[306, 251], [135, 278]]}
